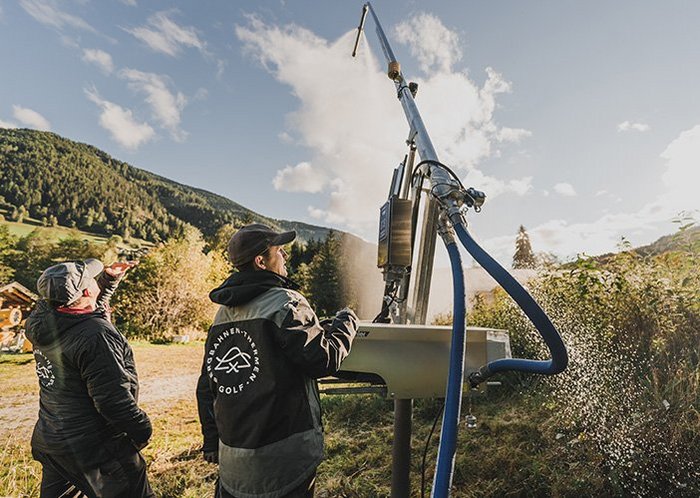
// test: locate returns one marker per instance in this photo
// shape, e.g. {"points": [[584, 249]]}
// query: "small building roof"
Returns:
{"points": [[16, 294]]}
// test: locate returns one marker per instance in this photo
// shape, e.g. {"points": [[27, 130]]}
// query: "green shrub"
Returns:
{"points": [[631, 392]]}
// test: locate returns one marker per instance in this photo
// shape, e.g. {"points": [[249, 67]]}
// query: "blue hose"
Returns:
{"points": [[453, 400], [531, 309], [455, 379]]}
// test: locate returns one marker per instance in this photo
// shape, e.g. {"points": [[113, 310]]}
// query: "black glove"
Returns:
{"points": [[211, 456], [346, 314]]}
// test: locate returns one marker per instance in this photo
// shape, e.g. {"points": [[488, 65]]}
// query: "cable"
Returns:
{"points": [[440, 165], [425, 451], [390, 292]]}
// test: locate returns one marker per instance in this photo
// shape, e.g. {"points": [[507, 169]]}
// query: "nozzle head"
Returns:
{"points": [[394, 71], [365, 8]]}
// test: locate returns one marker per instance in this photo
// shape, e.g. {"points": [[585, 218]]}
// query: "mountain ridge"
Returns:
{"points": [[44, 175]]}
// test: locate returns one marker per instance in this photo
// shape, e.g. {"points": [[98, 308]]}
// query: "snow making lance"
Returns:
{"points": [[444, 214]]}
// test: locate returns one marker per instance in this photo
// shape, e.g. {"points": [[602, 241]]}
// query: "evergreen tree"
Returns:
{"points": [[300, 257], [523, 257], [7, 248], [323, 288]]}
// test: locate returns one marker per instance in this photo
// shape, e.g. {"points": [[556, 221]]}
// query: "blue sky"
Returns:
{"points": [[578, 119]]}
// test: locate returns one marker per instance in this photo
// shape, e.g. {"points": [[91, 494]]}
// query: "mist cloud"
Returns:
{"points": [[355, 131]]}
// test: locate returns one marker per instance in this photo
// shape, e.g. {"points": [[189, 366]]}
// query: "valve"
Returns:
{"points": [[394, 70]]}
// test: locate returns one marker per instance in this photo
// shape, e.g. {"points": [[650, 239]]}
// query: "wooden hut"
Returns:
{"points": [[16, 302]]}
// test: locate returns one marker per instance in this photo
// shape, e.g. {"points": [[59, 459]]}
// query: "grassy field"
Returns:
{"points": [[54, 234], [50, 233], [514, 451]]}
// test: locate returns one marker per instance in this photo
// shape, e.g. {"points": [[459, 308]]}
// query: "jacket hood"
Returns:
{"points": [[45, 325], [242, 287]]}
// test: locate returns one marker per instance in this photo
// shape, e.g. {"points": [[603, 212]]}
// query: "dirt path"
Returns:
{"points": [[19, 398]]}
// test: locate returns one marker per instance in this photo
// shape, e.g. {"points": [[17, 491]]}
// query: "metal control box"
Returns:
{"points": [[412, 360], [395, 233]]}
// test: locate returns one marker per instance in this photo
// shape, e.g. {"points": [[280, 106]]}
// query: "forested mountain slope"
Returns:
{"points": [[44, 175]]}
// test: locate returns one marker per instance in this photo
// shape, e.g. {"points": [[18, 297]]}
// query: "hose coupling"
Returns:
{"points": [[476, 378], [445, 229], [473, 198]]}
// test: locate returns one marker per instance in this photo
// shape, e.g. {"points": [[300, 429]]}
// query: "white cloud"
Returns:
{"points": [[130, 3], [315, 213], [514, 135], [30, 118], [356, 131], [326, 216], [285, 137], [201, 94], [120, 123], [567, 239], [100, 58], [677, 193], [48, 13], [629, 126], [493, 187], [164, 35], [220, 68], [682, 175], [166, 106], [7, 124], [565, 189], [436, 47], [299, 178]]}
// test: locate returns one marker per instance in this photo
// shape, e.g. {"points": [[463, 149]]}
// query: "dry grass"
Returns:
{"points": [[17, 375], [513, 452], [173, 453]]}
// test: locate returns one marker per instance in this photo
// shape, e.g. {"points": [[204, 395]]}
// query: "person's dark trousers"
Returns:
{"points": [[304, 490], [124, 476]]}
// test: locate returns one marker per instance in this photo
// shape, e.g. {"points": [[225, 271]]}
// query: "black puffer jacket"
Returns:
{"points": [[88, 383]]}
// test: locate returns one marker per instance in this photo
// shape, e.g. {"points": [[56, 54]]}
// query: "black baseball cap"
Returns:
{"points": [[64, 283], [255, 239]]}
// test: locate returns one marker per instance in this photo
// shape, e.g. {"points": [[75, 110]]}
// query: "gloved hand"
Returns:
{"points": [[346, 314], [211, 456]]}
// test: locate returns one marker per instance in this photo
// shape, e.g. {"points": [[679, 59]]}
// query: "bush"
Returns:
{"points": [[168, 292], [631, 392]]}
